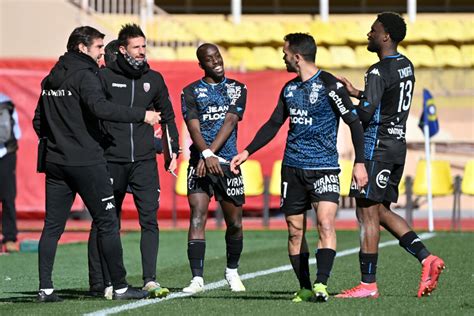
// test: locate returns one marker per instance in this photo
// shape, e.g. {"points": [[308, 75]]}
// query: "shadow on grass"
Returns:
{"points": [[66, 294]]}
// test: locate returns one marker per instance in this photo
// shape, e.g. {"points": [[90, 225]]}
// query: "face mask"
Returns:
{"points": [[136, 64]]}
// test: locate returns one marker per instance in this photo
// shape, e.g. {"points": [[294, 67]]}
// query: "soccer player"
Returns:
{"points": [[383, 109], [130, 151], [71, 103], [313, 101], [212, 107]]}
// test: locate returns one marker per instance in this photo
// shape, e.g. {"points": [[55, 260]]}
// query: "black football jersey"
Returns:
{"points": [[389, 86], [209, 103]]}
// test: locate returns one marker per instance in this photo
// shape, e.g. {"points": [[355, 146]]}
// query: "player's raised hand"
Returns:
{"points": [[359, 175], [353, 92], [152, 117], [238, 160]]}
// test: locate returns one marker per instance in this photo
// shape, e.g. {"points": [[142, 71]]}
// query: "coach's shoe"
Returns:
{"points": [[303, 295], [363, 290], [431, 270], [155, 290], [320, 292], [196, 286], [232, 277], [42, 297], [130, 294], [11, 246], [109, 293]]}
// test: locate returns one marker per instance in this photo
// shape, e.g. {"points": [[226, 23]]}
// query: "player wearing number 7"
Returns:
{"points": [[314, 102], [383, 109]]}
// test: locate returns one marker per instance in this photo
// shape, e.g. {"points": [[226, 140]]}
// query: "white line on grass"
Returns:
{"points": [[222, 283]]}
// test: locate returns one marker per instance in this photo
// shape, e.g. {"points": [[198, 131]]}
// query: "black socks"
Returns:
{"points": [[196, 251], [368, 266], [300, 265], [324, 262], [412, 243]]}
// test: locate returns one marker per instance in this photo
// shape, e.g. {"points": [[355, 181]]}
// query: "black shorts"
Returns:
{"points": [[300, 188], [383, 182], [230, 187]]}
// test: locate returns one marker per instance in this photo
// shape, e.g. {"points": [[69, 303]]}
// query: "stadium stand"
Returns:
{"points": [[441, 178]]}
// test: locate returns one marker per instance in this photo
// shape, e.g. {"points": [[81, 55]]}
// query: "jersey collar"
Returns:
{"points": [[214, 85], [393, 56]]}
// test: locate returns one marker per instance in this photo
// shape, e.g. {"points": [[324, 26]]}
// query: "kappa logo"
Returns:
{"points": [[118, 85], [375, 71], [339, 85], [202, 95], [109, 206], [146, 86], [382, 178]]}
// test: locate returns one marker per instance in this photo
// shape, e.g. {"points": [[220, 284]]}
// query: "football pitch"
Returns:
{"points": [[269, 280]]}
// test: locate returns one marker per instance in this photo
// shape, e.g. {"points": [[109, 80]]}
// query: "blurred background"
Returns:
{"points": [[440, 43]]}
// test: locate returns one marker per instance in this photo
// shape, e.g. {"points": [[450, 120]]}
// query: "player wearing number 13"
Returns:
{"points": [[383, 110]]}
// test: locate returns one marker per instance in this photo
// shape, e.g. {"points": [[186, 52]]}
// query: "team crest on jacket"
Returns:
{"points": [[146, 86]]}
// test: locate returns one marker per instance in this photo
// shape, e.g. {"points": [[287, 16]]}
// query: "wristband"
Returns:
{"points": [[361, 95], [207, 153]]}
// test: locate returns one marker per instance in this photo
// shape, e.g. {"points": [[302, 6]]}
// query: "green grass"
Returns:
{"points": [[398, 275]]}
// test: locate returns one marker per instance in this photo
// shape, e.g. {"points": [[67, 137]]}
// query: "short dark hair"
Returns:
{"points": [[303, 44], [201, 50], [393, 24], [82, 35], [111, 51], [128, 31]]}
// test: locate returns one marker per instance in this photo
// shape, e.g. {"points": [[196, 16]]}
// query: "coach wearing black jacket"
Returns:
{"points": [[67, 115], [130, 150]]}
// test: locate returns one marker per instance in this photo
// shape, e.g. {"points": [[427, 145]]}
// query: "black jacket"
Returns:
{"points": [[144, 89], [68, 109]]}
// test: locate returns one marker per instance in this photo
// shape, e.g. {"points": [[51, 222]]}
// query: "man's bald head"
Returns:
{"points": [[202, 50]]}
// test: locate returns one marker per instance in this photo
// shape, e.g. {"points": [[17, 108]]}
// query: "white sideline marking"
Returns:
{"points": [[222, 283]]}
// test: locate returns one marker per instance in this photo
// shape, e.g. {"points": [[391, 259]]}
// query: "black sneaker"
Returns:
{"points": [[96, 290], [131, 294], [42, 297]]}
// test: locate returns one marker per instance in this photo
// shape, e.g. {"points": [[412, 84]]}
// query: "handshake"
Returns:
{"points": [[152, 117]]}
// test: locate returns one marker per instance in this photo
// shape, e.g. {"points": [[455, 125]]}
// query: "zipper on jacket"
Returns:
{"points": [[132, 145]]}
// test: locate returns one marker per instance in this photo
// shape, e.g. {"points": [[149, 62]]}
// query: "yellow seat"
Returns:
{"points": [[467, 185], [345, 177], [275, 181], [364, 58], [467, 53], [326, 33], [453, 29], [324, 59], [161, 53], [424, 31], [401, 187], [421, 55], [181, 187], [187, 53], [269, 57], [345, 55], [449, 55], [441, 178], [254, 184]]}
